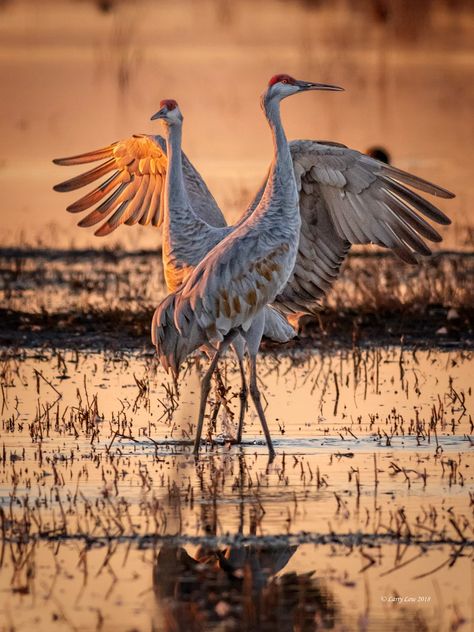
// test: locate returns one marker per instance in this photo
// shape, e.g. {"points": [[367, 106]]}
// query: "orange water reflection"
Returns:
{"points": [[364, 519]]}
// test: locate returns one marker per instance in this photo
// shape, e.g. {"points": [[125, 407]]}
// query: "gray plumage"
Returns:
{"points": [[348, 198]]}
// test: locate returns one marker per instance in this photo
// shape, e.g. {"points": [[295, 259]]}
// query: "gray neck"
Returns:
{"points": [[280, 143], [175, 191], [280, 190]]}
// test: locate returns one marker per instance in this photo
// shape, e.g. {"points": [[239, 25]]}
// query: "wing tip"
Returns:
{"points": [[436, 191], [73, 208], [104, 230], [62, 187], [443, 193], [445, 221], [417, 182], [442, 218]]}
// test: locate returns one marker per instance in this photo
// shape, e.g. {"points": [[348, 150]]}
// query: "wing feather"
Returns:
{"points": [[147, 210], [419, 203], [90, 156], [136, 207], [109, 205], [95, 196], [139, 164], [349, 198], [398, 206], [86, 178], [415, 181], [157, 204], [113, 221]]}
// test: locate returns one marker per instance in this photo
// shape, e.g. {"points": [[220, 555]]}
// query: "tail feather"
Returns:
{"points": [[173, 345], [277, 327]]}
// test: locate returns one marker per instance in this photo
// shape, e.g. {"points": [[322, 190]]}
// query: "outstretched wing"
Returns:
{"points": [[349, 198], [133, 193]]}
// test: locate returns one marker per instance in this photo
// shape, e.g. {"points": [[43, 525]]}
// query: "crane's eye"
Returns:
{"points": [[284, 80]]}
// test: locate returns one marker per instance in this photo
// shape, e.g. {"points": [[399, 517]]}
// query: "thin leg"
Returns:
{"points": [[243, 395], [219, 386], [239, 348], [210, 352], [206, 385], [255, 394]]}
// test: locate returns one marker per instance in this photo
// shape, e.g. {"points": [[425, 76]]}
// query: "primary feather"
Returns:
{"points": [[133, 194]]}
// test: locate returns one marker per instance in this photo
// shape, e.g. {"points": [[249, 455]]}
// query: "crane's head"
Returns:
{"points": [[282, 86], [169, 112]]}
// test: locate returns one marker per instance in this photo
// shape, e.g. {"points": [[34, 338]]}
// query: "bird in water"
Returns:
{"points": [[182, 250], [342, 197]]}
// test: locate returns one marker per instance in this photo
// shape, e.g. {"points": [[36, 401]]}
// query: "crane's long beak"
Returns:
{"points": [[160, 114], [308, 85]]}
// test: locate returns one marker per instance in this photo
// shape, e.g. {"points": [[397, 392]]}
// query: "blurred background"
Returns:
{"points": [[79, 74]]}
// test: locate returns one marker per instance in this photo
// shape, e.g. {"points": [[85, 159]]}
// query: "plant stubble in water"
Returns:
{"points": [[364, 519]]}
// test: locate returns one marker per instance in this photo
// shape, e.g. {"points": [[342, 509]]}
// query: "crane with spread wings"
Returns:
{"points": [[342, 198]]}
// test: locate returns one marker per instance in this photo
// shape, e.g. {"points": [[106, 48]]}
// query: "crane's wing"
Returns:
{"points": [[349, 198], [133, 193]]}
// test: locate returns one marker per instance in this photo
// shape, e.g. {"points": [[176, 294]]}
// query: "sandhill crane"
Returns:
{"points": [[187, 238], [140, 195], [344, 198], [227, 292]]}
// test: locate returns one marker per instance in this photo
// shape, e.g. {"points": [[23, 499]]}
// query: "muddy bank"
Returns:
{"points": [[117, 330], [105, 299]]}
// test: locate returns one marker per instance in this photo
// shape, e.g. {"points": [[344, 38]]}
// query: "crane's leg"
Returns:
{"points": [[206, 385], [239, 348], [253, 337], [219, 385], [220, 389], [255, 394], [210, 352]]}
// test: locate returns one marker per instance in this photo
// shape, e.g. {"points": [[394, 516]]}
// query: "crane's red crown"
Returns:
{"points": [[281, 78], [171, 104]]}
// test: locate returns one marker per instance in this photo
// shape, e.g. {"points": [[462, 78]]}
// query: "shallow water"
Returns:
{"points": [[105, 511], [281, 587]]}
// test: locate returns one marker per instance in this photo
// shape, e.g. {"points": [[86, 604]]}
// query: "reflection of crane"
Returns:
{"points": [[344, 198], [239, 587]]}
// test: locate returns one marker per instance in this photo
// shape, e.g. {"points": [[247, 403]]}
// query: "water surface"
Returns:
{"points": [[363, 521]]}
